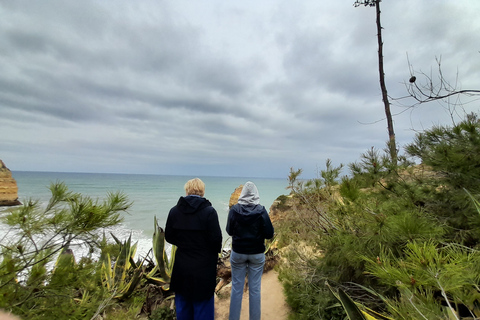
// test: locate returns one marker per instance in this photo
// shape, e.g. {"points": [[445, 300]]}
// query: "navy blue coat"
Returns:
{"points": [[249, 226], [192, 225]]}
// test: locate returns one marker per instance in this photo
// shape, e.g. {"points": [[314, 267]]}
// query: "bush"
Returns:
{"points": [[39, 275], [401, 240]]}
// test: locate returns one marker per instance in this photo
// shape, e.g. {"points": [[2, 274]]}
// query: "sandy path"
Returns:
{"points": [[274, 306]]}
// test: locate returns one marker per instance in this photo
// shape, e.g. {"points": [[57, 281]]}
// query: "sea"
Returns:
{"points": [[151, 196]]}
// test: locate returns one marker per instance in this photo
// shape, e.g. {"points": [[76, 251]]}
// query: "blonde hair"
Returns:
{"points": [[195, 187]]}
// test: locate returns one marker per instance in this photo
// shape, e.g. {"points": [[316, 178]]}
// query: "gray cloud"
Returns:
{"points": [[217, 88]]}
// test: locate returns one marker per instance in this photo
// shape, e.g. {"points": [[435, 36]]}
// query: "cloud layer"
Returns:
{"points": [[219, 88]]}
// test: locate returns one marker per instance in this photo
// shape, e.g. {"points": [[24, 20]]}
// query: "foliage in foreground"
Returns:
{"points": [[399, 240], [41, 279], [39, 276]]}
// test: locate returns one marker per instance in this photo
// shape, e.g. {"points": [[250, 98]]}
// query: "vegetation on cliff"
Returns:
{"points": [[40, 278], [401, 240]]}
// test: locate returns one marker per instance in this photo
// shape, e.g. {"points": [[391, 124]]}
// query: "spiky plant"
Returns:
{"points": [[31, 284]]}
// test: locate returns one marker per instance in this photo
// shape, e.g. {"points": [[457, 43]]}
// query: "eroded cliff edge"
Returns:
{"points": [[8, 187]]}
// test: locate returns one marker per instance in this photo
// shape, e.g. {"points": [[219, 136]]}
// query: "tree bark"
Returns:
{"points": [[391, 133]]}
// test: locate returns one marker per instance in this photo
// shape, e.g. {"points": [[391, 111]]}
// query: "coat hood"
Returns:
{"points": [[247, 214], [249, 195], [191, 204]]}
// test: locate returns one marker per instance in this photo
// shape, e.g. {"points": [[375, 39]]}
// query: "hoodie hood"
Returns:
{"points": [[248, 207], [191, 204], [247, 214], [249, 195]]}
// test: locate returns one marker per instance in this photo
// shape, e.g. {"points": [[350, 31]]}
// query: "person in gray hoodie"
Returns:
{"points": [[249, 225]]}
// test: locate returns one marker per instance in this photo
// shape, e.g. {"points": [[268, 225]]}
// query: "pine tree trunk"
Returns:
{"points": [[391, 133]]}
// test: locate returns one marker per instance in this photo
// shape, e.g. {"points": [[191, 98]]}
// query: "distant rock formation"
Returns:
{"points": [[235, 195], [8, 187], [282, 209]]}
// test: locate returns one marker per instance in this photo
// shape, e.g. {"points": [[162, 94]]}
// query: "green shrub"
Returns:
{"points": [[402, 240], [39, 277], [282, 204], [162, 313]]}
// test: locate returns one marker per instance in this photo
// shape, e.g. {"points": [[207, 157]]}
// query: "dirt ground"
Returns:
{"points": [[274, 306]]}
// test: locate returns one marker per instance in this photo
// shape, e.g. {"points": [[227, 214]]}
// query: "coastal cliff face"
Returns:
{"points": [[8, 187], [234, 196]]}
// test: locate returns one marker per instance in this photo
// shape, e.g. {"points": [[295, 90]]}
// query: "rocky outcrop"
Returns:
{"points": [[8, 187], [281, 208], [235, 195]]}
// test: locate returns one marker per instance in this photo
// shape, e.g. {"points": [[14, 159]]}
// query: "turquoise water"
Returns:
{"points": [[152, 195]]}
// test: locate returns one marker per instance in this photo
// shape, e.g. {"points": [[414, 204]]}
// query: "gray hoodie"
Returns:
{"points": [[248, 222]]}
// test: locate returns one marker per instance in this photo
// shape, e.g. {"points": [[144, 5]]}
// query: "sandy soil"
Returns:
{"points": [[7, 316], [274, 306]]}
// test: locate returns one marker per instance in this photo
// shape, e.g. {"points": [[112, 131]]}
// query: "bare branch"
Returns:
{"points": [[430, 89]]}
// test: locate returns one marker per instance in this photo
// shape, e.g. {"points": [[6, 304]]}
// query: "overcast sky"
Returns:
{"points": [[223, 88]]}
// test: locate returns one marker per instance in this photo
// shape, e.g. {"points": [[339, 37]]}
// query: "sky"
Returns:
{"points": [[222, 88]]}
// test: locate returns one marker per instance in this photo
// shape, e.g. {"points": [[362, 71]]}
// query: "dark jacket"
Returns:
{"points": [[249, 226], [192, 225]]}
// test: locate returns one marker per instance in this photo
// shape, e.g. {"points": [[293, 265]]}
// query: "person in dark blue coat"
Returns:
{"points": [[249, 225], [192, 225]]}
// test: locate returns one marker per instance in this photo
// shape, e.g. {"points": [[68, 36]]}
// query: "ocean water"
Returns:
{"points": [[152, 195]]}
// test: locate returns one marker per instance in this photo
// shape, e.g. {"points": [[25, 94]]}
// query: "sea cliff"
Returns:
{"points": [[8, 187]]}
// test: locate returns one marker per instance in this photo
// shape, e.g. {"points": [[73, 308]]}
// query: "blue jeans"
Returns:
{"points": [[187, 309], [241, 265]]}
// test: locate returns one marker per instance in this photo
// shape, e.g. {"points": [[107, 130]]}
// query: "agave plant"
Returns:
{"points": [[352, 308], [125, 275], [162, 271]]}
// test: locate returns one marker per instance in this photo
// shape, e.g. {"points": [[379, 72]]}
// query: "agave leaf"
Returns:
{"points": [[352, 310], [156, 280], [133, 249], [385, 300], [131, 255], [159, 249], [133, 264], [350, 307], [166, 287], [120, 266], [164, 264], [169, 267], [152, 272], [158, 241], [369, 317], [129, 287], [116, 239], [107, 272], [332, 291]]}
